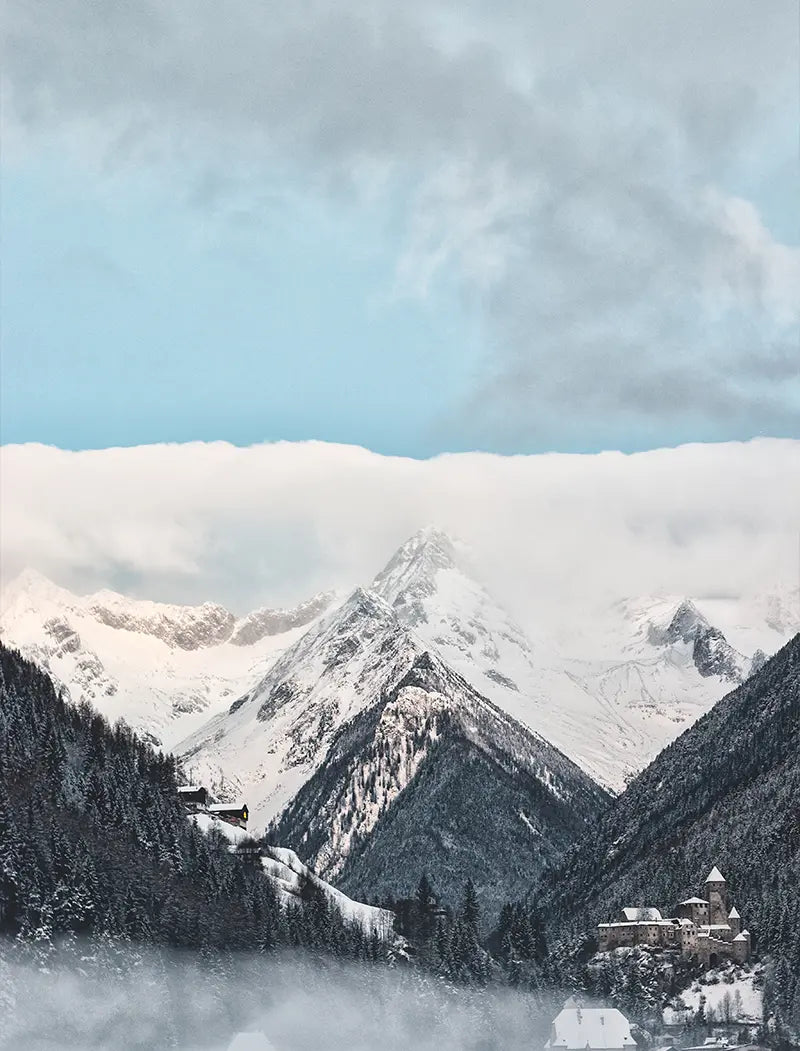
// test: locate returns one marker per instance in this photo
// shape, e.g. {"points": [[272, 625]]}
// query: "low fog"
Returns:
{"points": [[134, 1000]]}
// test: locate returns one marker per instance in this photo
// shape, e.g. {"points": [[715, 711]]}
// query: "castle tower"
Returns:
{"points": [[735, 921], [741, 947], [717, 897]]}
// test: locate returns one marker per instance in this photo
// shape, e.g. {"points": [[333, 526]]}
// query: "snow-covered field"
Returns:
{"points": [[734, 994]]}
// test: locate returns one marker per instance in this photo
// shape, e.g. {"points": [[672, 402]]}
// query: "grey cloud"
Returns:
{"points": [[573, 209]]}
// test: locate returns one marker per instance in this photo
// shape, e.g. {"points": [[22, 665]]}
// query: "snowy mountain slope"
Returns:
{"points": [[633, 677], [610, 693], [273, 737], [291, 878], [430, 775], [164, 668], [611, 711]]}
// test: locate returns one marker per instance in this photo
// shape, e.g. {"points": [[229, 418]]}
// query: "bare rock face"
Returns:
{"points": [[264, 622], [684, 626], [187, 628], [711, 652], [63, 634], [713, 655]]}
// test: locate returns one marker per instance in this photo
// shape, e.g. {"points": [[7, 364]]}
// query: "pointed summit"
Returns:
{"points": [[715, 876], [686, 622], [411, 575]]}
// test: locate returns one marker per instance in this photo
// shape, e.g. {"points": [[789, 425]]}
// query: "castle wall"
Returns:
{"points": [[702, 928]]}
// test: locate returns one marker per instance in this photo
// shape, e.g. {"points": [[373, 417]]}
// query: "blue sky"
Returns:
{"points": [[131, 316], [405, 243]]}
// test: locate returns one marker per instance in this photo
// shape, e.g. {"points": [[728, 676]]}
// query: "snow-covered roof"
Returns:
{"points": [[694, 901], [190, 788], [216, 808], [641, 914], [733, 914], [741, 937], [715, 876], [589, 1028]]}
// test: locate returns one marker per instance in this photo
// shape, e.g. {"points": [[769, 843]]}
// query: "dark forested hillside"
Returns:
{"points": [[93, 841], [727, 792], [434, 778]]}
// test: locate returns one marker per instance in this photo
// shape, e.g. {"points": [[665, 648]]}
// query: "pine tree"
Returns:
{"points": [[470, 909]]}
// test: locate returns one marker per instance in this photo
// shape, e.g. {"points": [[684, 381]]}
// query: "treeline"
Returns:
{"points": [[453, 942], [94, 844]]}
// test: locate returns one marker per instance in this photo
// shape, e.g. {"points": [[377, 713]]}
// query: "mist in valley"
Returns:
{"points": [[135, 1000]]}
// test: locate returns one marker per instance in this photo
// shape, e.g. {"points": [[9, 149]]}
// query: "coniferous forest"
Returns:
{"points": [[99, 860], [94, 841]]}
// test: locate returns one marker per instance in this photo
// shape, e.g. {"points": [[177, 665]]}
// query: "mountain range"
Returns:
{"points": [[163, 668], [417, 687]]}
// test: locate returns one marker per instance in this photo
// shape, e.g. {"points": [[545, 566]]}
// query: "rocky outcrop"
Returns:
{"points": [[264, 622]]}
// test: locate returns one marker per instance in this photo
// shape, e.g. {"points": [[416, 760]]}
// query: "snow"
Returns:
{"points": [[275, 740], [607, 695], [589, 1028], [289, 874], [742, 993], [120, 654], [642, 915], [715, 876]]}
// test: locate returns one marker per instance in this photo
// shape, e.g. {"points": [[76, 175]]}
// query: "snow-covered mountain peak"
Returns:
{"points": [[276, 734], [30, 591], [411, 574], [711, 652], [685, 623]]}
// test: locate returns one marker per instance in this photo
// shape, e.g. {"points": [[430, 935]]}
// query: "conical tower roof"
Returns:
{"points": [[734, 914], [715, 876]]}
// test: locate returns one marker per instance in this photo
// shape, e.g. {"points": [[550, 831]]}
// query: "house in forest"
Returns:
{"points": [[586, 1028], [702, 928]]}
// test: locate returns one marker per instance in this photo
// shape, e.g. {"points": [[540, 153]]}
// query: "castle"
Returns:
{"points": [[702, 928]]}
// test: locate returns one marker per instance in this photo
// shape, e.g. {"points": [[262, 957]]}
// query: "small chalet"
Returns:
{"points": [[578, 1028]]}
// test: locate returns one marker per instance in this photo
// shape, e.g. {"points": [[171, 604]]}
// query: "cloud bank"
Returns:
{"points": [[552, 535], [571, 169]]}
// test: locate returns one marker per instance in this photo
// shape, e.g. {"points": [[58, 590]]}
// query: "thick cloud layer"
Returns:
{"points": [[573, 168], [552, 535]]}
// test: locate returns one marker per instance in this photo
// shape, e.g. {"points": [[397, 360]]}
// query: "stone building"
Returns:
{"points": [[701, 928]]}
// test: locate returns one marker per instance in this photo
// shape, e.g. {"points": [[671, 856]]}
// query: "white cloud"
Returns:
{"points": [[552, 534]]}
